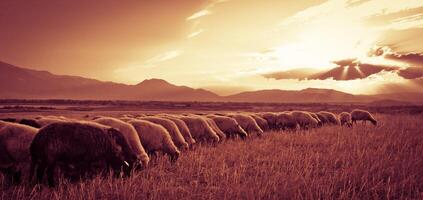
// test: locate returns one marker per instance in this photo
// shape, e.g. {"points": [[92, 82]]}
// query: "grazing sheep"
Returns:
{"points": [[44, 121], [330, 118], [229, 126], [304, 119], [261, 122], [362, 115], [30, 122], [345, 119], [247, 123], [183, 128], [314, 115], [9, 119], [130, 134], [155, 138], [286, 121], [81, 145], [216, 129], [15, 140], [271, 119], [200, 129], [173, 130]]}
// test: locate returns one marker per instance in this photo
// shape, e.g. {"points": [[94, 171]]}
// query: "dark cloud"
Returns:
{"points": [[413, 58], [352, 68], [352, 72]]}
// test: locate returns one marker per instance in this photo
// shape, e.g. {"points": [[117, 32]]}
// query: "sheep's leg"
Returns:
{"points": [[50, 174], [40, 172]]}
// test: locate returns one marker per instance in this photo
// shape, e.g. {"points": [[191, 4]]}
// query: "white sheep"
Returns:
{"points": [[286, 121], [271, 119], [247, 123], [130, 134], [200, 129], [15, 140], [345, 119], [330, 117], [183, 128], [155, 138], [173, 130], [304, 119], [362, 115], [216, 128], [261, 122], [229, 126]]}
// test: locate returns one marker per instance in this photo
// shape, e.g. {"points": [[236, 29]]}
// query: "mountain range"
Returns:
{"points": [[21, 83]]}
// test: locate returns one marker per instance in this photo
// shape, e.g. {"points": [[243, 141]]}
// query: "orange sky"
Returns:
{"points": [[223, 45]]}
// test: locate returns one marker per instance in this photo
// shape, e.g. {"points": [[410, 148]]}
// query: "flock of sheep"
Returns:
{"points": [[81, 148]]}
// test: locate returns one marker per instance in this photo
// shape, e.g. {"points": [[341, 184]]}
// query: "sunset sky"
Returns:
{"points": [[226, 46]]}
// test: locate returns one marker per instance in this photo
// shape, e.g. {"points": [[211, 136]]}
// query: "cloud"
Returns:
{"points": [[199, 14], [300, 74], [195, 33], [164, 56]]}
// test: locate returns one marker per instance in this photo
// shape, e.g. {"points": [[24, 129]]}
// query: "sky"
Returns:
{"points": [[226, 46]]}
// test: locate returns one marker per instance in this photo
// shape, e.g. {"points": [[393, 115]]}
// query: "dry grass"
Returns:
{"points": [[365, 162]]}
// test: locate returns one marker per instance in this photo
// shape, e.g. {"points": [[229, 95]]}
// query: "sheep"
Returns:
{"points": [[200, 129], [345, 119], [261, 122], [314, 115], [229, 126], [362, 115], [247, 123], [44, 121], [183, 128], [330, 118], [286, 121], [173, 130], [130, 134], [271, 119], [216, 128], [155, 138], [30, 122], [80, 144], [304, 119], [15, 140]]}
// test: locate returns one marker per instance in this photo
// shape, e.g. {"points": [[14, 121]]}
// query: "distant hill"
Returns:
{"points": [[17, 82], [21, 83], [306, 95]]}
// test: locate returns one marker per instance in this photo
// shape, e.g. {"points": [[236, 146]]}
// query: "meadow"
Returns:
{"points": [[332, 162]]}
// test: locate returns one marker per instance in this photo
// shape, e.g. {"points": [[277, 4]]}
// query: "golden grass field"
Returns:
{"points": [[365, 162]]}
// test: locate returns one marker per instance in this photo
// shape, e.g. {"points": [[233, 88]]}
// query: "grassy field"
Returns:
{"points": [[365, 162]]}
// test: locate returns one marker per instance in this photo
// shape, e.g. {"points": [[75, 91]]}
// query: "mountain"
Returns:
{"points": [[303, 96], [22, 83], [17, 82]]}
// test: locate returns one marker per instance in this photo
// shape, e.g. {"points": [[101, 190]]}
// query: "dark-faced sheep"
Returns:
{"points": [[15, 140], [247, 123], [329, 117], [304, 119], [81, 145], [173, 130], [183, 128], [130, 134], [229, 126], [261, 122], [155, 138], [362, 115], [345, 119], [200, 129]]}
